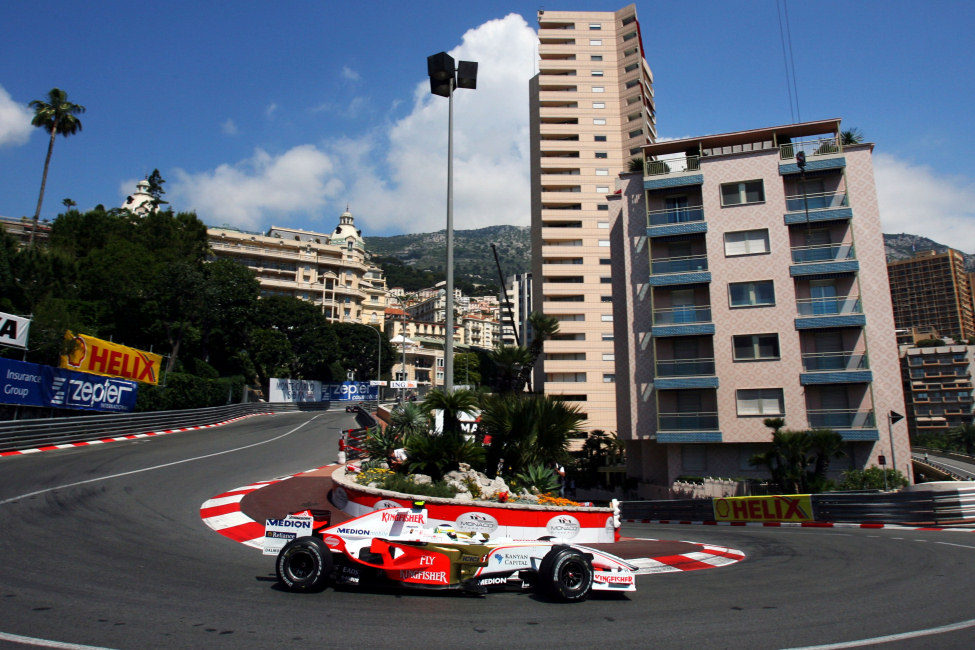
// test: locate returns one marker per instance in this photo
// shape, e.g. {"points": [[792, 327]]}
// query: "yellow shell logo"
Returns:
{"points": [[78, 352]]}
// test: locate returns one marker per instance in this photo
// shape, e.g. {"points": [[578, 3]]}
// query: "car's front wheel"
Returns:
{"points": [[304, 564], [565, 574]]}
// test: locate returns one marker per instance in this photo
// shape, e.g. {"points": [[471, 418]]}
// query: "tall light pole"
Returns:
{"points": [[444, 78]]}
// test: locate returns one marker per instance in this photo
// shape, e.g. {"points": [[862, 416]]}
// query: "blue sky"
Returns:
{"points": [[281, 113]]}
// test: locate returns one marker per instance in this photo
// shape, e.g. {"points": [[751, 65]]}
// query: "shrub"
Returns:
{"points": [[872, 478], [538, 479]]}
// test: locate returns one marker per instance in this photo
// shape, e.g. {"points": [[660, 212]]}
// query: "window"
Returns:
{"points": [[605, 280], [602, 172], [742, 193], [604, 243], [607, 337], [746, 242], [605, 298], [603, 189], [597, 73], [568, 377], [602, 207], [565, 356], [595, 26], [602, 154], [609, 378], [753, 347], [609, 357], [606, 318], [596, 57], [760, 401], [636, 133], [599, 89], [605, 260], [599, 138], [599, 104], [599, 121], [603, 224], [631, 67], [751, 294], [595, 41]]}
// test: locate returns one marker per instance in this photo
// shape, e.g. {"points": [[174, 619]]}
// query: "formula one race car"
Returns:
{"points": [[398, 545]]}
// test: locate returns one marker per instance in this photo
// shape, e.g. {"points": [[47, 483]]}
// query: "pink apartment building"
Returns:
{"points": [[745, 288], [591, 112]]}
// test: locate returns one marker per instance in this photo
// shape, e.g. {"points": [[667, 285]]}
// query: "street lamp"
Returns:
{"points": [[444, 78]]}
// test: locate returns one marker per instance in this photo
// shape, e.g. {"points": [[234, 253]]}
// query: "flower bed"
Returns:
{"points": [[518, 521]]}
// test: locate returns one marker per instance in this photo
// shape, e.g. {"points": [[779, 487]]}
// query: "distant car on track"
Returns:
{"points": [[399, 546]]}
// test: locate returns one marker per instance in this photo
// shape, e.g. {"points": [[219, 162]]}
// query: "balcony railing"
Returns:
{"points": [[688, 421], [851, 419], [673, 165], [685, 367], [834, 361], [817, 201], [832, 253], [829, 306], [675, 215], [682, 315], [679, 264], [820, 147]]}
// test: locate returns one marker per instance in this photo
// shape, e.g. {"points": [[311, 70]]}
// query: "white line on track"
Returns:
{"points": [[44, 643], [959, 545], [149, 469], [954, 627]]}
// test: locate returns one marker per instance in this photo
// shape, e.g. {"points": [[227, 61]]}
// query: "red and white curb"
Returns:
{"points": [[796, 524], [87, 443], [222, 513], [709, 557]]}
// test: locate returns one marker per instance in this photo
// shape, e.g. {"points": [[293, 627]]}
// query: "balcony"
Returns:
{"points": [[818, 313], [676, 221], [685, 373], [821, 154], [822, 206], [687, 320], [835, 368], [692, 269], [851, 424], [816, 260], [672, 172], [688, 427]]}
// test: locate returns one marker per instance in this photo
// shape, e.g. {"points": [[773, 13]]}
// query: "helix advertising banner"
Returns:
{"points": [[32, 384], [111, 359], [794, 507]]}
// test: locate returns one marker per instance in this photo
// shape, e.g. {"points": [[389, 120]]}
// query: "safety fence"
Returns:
{"points": [[933, 504], [351, 442], [29, 434]]}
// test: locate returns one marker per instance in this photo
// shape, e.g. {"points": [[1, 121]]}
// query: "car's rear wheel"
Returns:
{"points": [[304, 564], [565, 574]]}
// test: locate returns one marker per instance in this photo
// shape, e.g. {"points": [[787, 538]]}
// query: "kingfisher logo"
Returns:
{"points": [[407, 517]]}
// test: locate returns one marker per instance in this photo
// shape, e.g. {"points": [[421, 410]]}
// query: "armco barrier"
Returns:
{"points": [[517, 521], [29, 434], [925, 504]]}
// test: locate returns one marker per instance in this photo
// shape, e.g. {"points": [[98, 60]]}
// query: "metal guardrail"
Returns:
{"points": [[919, 507], [29, 434]]}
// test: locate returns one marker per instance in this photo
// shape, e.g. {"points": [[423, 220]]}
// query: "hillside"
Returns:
{"points": [[416, 261], [474, 265]]}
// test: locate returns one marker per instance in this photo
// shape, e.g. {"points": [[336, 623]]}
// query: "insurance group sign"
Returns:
{"points": [[31, 384]]}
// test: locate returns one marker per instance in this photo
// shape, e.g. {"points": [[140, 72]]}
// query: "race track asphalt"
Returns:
{"points": [[116, 556]]}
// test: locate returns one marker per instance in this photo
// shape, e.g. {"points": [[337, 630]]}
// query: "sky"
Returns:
{"points": [[261, 114]]}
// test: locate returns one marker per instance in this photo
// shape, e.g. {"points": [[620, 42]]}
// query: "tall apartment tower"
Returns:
{"points": [[747, 287], [933, 290], [591, 112]]}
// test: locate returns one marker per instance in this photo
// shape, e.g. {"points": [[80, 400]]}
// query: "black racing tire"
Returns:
{"points": [[565, 574], [304, 564]]}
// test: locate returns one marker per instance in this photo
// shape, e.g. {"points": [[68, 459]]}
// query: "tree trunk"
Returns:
{"points": [[40, 198]]}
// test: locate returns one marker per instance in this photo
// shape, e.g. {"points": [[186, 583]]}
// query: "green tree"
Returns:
{"points": [[410, 419], [156, 190], [467, 368], [872, 478], [964, 436], [826, 444], [452, 404], [57, 116], [851, 136], [507, 363], [543, 327]]}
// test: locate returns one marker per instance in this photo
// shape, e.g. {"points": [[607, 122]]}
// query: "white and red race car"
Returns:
{"points": [[398, 545]]}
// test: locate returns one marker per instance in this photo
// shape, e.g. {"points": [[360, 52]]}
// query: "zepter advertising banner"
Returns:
{"points": [[99, 357]]}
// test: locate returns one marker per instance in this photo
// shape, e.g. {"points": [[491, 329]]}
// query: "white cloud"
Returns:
{"points": [[914, 199], [15, 126], [270, 110], [350, 74], [491, 151], [253, 192], [229, 127], [394, 178]]}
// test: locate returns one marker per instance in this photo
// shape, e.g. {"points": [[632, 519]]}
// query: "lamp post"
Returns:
{"points": [[444, 78]]}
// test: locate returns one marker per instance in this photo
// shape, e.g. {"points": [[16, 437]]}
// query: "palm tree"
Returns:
{"points": [[543, 328], [826, 444], [452, 404], [57, 116], [410, 419], [851, 136], [635, 164], [509, 361]]}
